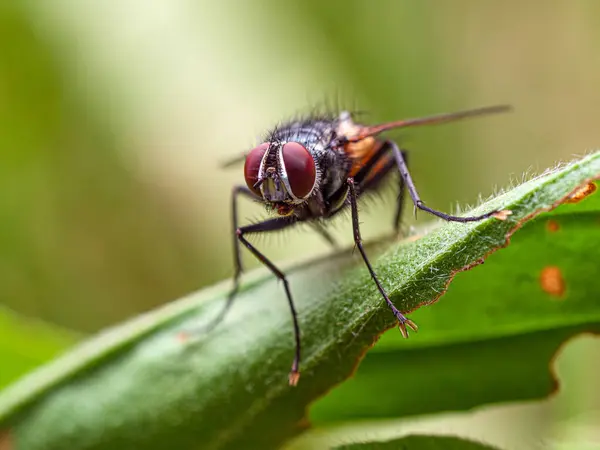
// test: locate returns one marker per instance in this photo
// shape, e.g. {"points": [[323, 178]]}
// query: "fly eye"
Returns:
{"points": [[300, 168], [252, 166]]}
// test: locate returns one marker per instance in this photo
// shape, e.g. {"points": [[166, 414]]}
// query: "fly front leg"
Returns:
{"points": [[272, 225], [412, 190], [239, 234], [403, 321]]}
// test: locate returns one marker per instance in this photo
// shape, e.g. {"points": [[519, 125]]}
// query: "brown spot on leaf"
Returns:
{"points": [[304, 423], [552, 281], [181, 337], [581, 193], [5, 441], [552, 226]]}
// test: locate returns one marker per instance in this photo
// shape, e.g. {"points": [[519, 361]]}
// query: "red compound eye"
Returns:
{"points": [[300, 168], [252, 166]]}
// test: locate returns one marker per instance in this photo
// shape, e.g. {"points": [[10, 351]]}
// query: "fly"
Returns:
{"points": [[308, 171]]}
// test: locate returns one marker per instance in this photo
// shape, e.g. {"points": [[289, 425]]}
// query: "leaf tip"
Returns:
{"points": [[502, 215]]}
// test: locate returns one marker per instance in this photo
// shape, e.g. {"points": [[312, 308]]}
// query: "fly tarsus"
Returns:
{"points": [[405, 322]]}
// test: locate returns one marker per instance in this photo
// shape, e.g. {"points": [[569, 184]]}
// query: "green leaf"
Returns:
{"points": [[26, 343], [417, 442], [140, 385], [506, 331]]}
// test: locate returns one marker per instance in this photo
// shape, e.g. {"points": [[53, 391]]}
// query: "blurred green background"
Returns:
{"points": [[115, 115]]}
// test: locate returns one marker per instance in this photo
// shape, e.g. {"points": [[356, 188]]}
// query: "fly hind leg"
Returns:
{"points": [[400, 157]]}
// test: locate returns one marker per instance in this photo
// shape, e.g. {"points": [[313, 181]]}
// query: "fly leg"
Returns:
{"points": [[400, 198], [403, 321], [402, 166], [239, 237], [373, 172], [272, 225]]}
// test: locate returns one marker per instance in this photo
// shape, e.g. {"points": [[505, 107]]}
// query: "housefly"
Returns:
{"points": [[308, 171]]}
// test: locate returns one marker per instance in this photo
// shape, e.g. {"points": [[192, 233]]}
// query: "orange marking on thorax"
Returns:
{"points": [[360, 152], [378, 167]]}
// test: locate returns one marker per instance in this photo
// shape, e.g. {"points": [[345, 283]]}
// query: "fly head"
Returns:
{"points": [[283, 174]]}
